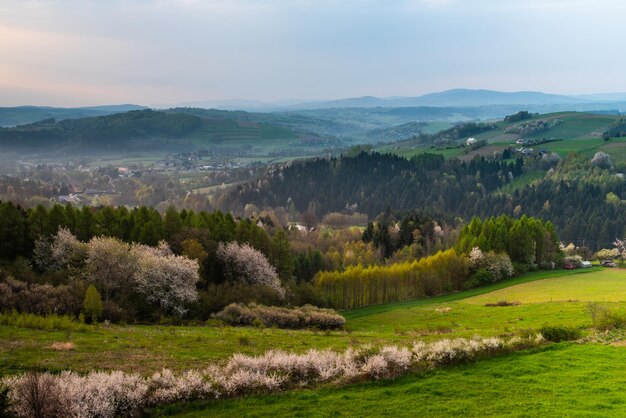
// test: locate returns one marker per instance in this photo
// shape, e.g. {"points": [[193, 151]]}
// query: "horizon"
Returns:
{"points": [[72, 54], [296, 102]]}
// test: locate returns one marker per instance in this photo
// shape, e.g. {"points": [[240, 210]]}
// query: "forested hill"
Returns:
{"points": [[100, 132], [583, 201], [371, 183], [144, 130]]}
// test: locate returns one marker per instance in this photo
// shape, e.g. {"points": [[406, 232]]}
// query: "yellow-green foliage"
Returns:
{"points": [[92, 305], [361, 286]]}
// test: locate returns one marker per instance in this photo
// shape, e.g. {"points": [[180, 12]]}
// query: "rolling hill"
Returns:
{"points": [[21, 115], [570, 131], [174, 130]]}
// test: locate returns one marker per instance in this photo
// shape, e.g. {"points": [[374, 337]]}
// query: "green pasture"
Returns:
{"points": [[555, 381], [148, 348], [607, 285], [563, 379]]}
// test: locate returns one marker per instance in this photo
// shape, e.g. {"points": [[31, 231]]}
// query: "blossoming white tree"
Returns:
{"points": [[110, 264], [60, 251], [169, 281], [244, 263]]}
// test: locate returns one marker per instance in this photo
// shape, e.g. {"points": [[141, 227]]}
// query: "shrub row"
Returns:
{"points": [[307, 316], [100, 394], [41, 299]]}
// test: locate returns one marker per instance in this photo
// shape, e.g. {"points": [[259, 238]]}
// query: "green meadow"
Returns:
{"points": [[572, 379]]}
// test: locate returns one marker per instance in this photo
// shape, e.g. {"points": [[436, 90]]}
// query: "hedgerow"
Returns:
{"points": [[307, 316]]}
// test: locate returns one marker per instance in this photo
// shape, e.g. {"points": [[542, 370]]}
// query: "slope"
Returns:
{"points": [[570, 131], [176, 130]]}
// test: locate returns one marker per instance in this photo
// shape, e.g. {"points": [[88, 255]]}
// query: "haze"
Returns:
{"points": [[84, 52]]}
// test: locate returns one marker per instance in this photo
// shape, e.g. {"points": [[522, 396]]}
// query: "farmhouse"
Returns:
{"points": [[471, 141]]}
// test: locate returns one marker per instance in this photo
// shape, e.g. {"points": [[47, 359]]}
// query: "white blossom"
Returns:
{"points": [[244, 263]]}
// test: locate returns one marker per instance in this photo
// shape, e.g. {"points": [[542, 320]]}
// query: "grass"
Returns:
{"points": [[465, 313], [558, 380], [146, 349], [563, 379], [539, 275], [607, 285]]}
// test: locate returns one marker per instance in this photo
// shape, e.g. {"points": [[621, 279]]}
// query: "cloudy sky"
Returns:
{"points": [[87, 52]]}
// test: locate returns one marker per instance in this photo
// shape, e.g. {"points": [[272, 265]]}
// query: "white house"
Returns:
{"points": [[471, 141]]}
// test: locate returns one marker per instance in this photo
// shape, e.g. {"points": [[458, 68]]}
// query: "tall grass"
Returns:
{"points": [[47, 322]]}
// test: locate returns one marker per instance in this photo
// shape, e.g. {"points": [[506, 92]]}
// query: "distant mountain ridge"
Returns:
{"points": [[449, 98]]}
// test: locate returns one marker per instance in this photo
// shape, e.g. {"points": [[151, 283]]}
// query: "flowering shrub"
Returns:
{"points": [[97, 394], [100, 394], [41, 299], [110, 265], [497, 266], [165, 387], [272, 316]]}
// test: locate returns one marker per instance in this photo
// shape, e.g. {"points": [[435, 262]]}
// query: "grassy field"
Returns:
{"points": [[146, 349], [608, 285], [564, 379], [559, 380]]}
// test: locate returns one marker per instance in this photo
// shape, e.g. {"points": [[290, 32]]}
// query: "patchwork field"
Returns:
{"points": [[579, 132]]}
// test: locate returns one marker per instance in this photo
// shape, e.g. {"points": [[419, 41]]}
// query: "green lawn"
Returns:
{"points": [[558, 380]]}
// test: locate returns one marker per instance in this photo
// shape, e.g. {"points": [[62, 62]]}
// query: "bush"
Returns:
{"points": [[306, 293], [503, 303], [97, 394], [112, 312], [603, 318], [520, 268], [482, 276], [243, 263], [41, 299], [218, 296], [557, 334], [272, 316]]}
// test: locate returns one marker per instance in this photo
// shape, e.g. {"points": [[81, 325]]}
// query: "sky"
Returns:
{"points": [[165, 52]]}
